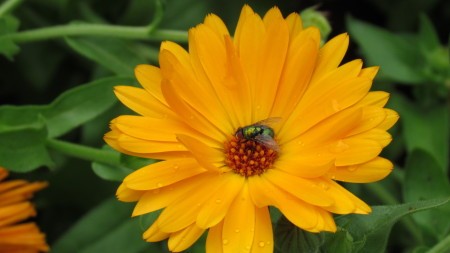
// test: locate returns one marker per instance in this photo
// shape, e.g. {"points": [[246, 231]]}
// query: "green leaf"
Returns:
{"points": [[117, 173], [8, 25], [375, 228], [428, 36], [70, 110], [23, 148], [423, 170], [339, 242], [291, 239], [396, 55], [107, 228], [424, 128], [81, 104], [116, 55]]}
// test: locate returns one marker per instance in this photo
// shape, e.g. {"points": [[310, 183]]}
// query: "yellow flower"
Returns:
{"points": [[14, 208], [220, 171]]}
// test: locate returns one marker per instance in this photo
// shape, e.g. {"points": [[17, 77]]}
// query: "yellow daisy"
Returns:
{"points": [[264, 118], [14, 208]]}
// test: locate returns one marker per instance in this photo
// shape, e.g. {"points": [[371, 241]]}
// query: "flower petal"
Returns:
{"points": [[183, 239], [331, 55], [214, 242], [205, 155], [306, 166], [391, 118], [295, 25], [150, 78], [187, 206], [126, 194], [154, 234], [239, 224], [140, 101], [163, 173], [368, 172], [263, 238], [302, 54], [352, 151], [214, 210], [301, 188]]}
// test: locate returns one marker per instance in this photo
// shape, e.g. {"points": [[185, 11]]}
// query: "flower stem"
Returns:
{"points": [[84, 152], [387, 198], [442, 247], [8, 5], [126, 32]]}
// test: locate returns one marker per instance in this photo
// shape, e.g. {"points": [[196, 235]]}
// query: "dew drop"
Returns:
{"points": [[333, 177], [335, 104], [225, 241], [159, 185], [261, 244], [268, 242], [176, 167], [324, 186], [351, 168], [237, 230], [218, 201], [258, 107], [248, 247], [301, 143]]}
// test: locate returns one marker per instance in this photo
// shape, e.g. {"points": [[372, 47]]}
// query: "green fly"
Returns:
{"points": [[260, 132]]}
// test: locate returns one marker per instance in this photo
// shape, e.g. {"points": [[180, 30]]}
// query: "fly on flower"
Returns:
{"points": [[260, 132]]}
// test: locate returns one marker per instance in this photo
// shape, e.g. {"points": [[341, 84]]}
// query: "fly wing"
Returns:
{"points": [[267, 141]]}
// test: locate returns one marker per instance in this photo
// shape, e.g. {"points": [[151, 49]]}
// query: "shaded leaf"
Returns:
{"points": [[291, 239], [70, 110], [116, 55], [423, 170], [424, 128], [375, 228], [107, 228], [428, 37], [8, 25], [397, 56], [23, 148]]}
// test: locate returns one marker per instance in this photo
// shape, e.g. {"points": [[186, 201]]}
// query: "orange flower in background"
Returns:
{"points": [[265, 118], [14, 208]]}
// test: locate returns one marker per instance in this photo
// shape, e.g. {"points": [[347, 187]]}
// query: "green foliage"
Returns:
{"points": [[8, 25], [356, 233]]}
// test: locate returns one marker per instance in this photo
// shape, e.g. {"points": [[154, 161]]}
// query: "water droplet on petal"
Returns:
{"points": [[248, 247], [301, 143], [333, 177], [159, 185], [218, 201], [351, 168], [324, 186], [237, 230], [225, 241], [176, 167], [258, 107], [268, 242], [261, 244], [335, 104]]}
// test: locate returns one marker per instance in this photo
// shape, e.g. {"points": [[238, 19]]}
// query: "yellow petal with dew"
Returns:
{"points": [[183, 239], [299, 187], [352, 151], [214, 210], [186, 208], [138, 145], [126, 194], [270, 65], [391, 118], [214, 242], [263, 238], [302, 55], [163, 173], [239, 224], [371, 117], [375, 98], [371, 171], [190, 115]]}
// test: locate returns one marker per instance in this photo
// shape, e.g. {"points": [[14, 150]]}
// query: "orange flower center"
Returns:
{"points": [[248, 157]]}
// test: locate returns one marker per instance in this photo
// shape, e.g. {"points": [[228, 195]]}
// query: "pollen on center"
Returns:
{"points": [[247, 157]]}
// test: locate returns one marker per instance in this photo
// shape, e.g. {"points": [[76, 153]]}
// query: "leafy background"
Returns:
{"points": [[57, 90]]}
